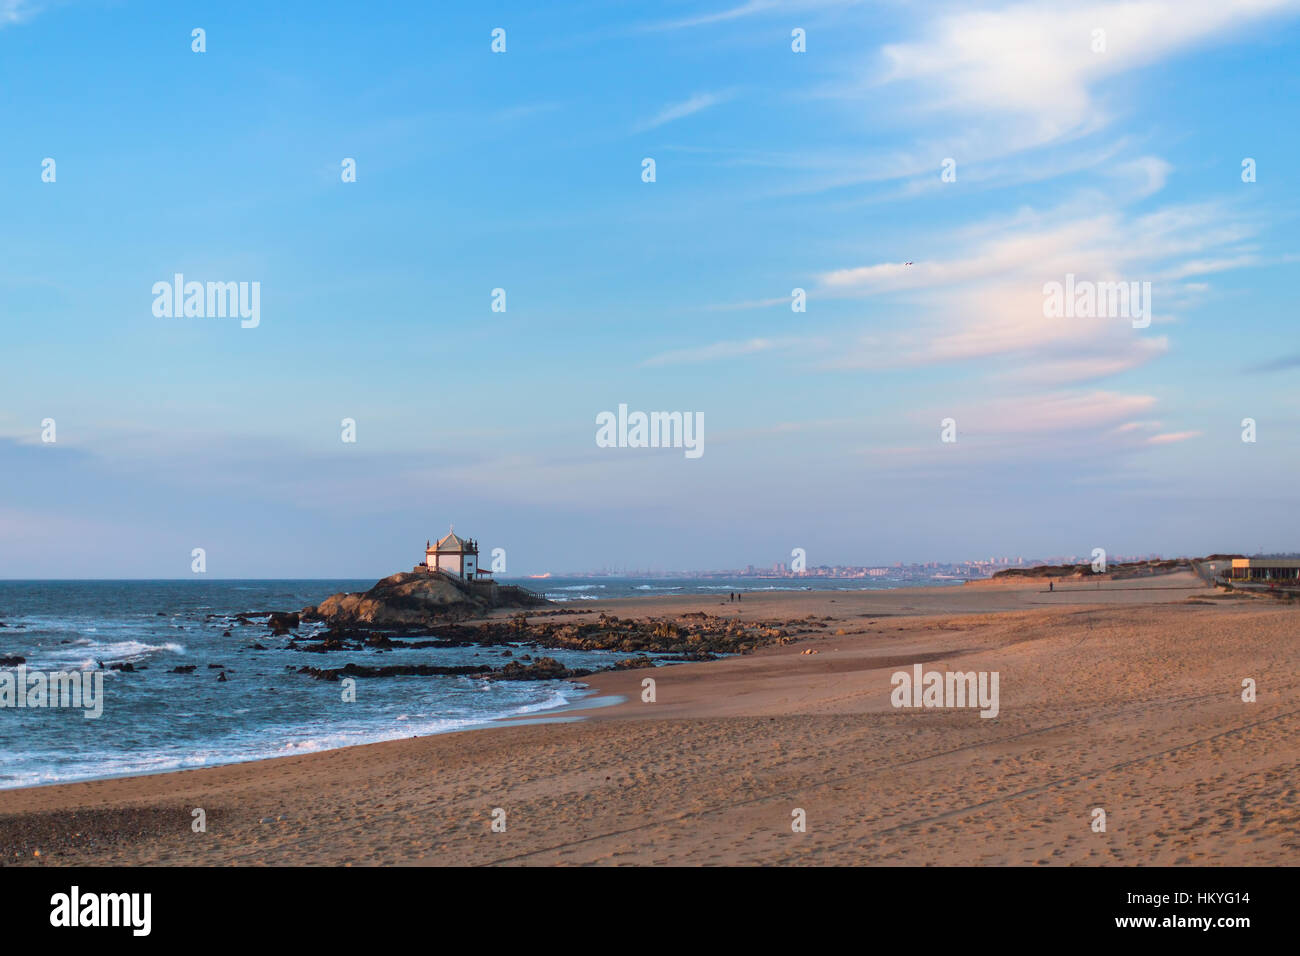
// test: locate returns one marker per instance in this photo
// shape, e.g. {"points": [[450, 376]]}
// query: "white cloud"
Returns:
{"points": [[687, 107], [1056, 411], [718, 350], [750, 304], [1048, 370], [986, 301], [16, 11], [1170, 437], [718, 16], [1035, 60]]}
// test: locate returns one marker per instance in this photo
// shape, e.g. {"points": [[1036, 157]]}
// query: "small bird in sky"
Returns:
{"points": [[907, 263]]}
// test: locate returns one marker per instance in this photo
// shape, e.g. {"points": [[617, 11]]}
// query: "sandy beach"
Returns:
{"points": [[1125, 696]]}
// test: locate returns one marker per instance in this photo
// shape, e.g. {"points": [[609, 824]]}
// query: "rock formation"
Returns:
{"points": [[415, 598]]}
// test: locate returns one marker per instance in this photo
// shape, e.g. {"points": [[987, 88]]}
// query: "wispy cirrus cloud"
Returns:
{"points": [[719, 350], [959, 82], [977, 61], [716, 16], [1169, 438], [748, 304], [693, 104], [1033, 427], [987, 302], [16, 11], [1055, 411]]}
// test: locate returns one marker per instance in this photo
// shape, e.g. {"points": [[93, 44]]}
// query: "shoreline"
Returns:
{"points": [[486, 724], [701, 773], [649, 605]]}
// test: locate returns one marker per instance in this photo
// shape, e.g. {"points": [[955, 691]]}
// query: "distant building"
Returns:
{"points": [[1265, 569], [453, 555]]}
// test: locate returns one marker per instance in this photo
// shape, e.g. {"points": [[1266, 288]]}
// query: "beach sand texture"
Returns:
{"points": [[1125, 697]]}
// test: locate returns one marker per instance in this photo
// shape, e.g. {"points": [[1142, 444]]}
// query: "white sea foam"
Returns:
{"points": [[124, 650], [87, 655], [275, 741]]}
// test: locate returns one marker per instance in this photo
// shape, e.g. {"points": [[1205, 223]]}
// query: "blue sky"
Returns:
{"points": [[521, 170]]}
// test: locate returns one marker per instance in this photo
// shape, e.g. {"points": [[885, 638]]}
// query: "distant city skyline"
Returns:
{"points": [[903, 302], [783, 569]]}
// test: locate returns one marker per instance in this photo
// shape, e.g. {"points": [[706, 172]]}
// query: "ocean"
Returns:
{"points": [[604, 588], [154, 720]]}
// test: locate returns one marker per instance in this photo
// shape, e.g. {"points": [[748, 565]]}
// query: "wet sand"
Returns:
{"points": [[1125, 697]]}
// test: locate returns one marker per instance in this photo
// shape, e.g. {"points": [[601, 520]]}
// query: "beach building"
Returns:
{"points": [[1265, 569], [454, 555]]}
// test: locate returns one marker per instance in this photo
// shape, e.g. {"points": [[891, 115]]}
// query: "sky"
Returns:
{"points": [[922, 171]]}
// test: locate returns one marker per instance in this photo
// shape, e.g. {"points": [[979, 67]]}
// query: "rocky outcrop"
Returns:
{"points": [[691, 637], [281, 622], [395, 670], [696, 636], [416, 598], [545, 668]]}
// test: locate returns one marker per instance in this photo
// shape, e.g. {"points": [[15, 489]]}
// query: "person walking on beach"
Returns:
{"points": [[1051, 586]]}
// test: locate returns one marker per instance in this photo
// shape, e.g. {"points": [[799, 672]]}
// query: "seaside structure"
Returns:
{"points": [[1265, 569], [454, 555]]}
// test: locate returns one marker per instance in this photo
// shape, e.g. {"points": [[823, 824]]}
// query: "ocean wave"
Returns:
{"points": [[268, 741], [87, 654], [124, 650]]}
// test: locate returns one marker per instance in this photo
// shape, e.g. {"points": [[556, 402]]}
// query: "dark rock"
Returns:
{"points": [[546, 668], [13, 661], [125, 666], [419, 598], [632, 663], [183, 669], [394, 670]]}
